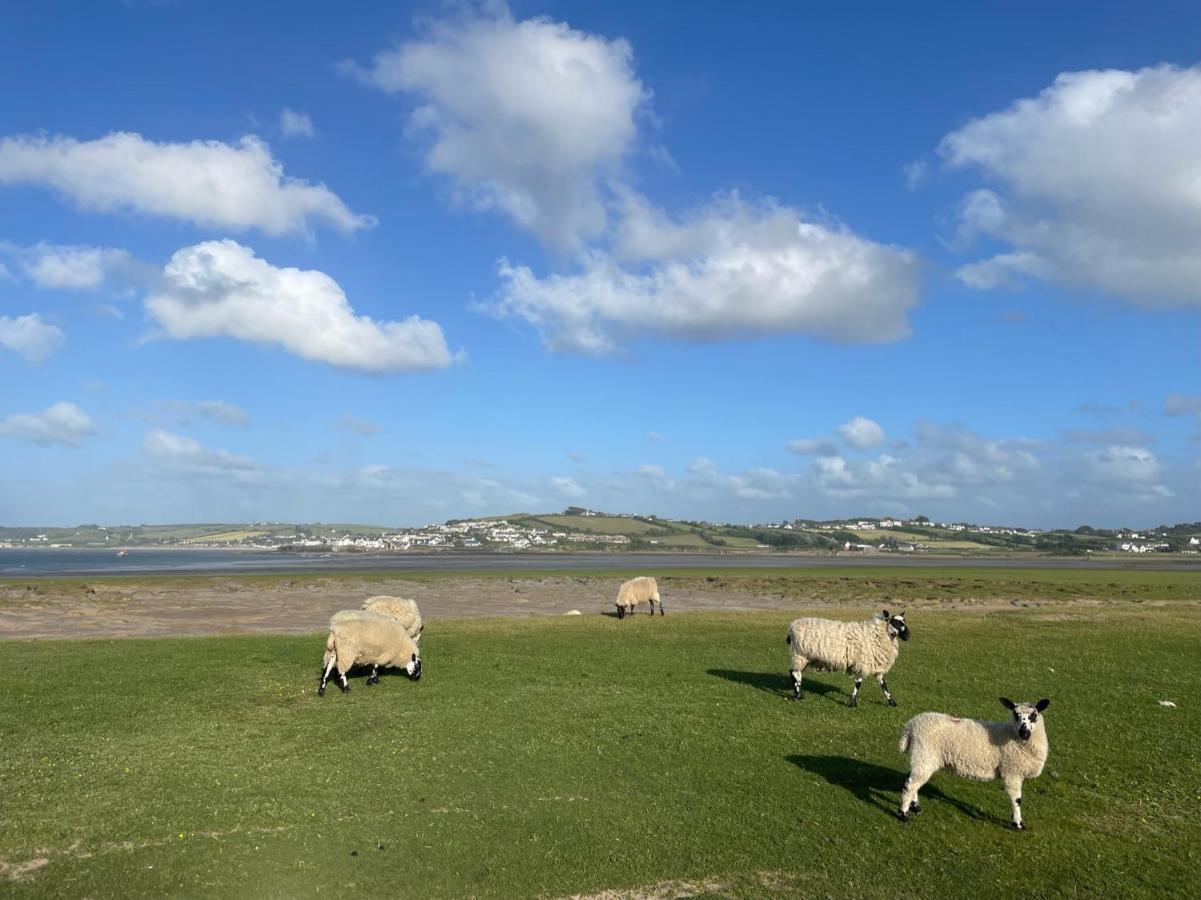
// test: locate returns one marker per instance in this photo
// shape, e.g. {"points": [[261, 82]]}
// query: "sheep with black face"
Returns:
{"points": [[1012, 750], [857, 648]]}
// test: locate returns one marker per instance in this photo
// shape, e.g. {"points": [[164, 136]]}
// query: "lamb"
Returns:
{"points": [[642, 589], [396, 608], [971, 748], [373, 640], [857, 648]]}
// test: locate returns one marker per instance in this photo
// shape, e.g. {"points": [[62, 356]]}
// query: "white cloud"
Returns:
{"points": [[861, 433], [29, 337], [220, 288], [567, 486], [1134, 470], [236, 186], [77, 267], [527, 118], [812, 447], [732, 269], [62, 423], [189, 455], [1096, 183], [296, 124], [654, 437]]}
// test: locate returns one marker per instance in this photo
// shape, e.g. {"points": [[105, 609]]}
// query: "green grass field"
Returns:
{"points": [[573, 755]]}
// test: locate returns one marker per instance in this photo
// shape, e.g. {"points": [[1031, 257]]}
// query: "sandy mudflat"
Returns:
{"points": [[226, 606]]}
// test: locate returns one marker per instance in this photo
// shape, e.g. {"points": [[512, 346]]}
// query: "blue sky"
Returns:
{"points": [[268, 261]]}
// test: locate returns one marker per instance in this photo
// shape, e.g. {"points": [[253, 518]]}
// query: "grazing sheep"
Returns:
{"points": [[395, 608], [642, 589], [857, 648], [1012, 751], [372, 640]]}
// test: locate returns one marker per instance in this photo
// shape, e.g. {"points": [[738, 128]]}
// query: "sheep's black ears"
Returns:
{"points": [[1007, 703], [1042, 704], [886, 615]]}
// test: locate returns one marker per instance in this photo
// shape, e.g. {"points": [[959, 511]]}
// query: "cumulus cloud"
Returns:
{"points": [[731, 269], [527, 118], [236, 186], [296, 124], [1095, 182], [1132, 470], [861, 433], [79, 267], [221, 289], [189, 455], [30, 337], [62, 423]]}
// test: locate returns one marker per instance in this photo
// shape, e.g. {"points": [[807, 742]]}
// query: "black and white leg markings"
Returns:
{"points": [[854, 701], [796, 686], [887, 695], [345, 684], [324, 679]]}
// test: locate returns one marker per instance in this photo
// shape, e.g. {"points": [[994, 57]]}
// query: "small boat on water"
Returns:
{"points": [[122, 552]]}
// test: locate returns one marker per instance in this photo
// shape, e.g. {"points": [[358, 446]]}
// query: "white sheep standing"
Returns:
{"points": [[1012, 751], [857, 648], [398, 609], [642, 589], [373, 640]]}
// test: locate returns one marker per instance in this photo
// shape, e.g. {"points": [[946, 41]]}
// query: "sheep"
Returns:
{"points": [[396, 608], [857, 648], [373, 640], [642, 589], [971, 748]]}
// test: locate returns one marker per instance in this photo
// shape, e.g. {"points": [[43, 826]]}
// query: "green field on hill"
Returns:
{"points": [[574, 755]]}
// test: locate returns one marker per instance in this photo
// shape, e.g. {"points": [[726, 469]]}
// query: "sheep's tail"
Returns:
{"points": [[330, 652], [906, 737]]}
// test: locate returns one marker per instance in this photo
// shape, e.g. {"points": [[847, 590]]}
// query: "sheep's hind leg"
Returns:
{"points": [[373, 678], [325, 677], [1013, 787], [797, 693], [344, 684], [913, 784], [854, 701], [884, 688]]}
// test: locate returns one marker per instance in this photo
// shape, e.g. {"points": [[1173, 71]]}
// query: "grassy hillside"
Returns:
{"points": [[547, 757]]}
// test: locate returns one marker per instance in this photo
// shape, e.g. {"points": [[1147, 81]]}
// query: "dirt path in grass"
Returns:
{"points": [[100, 609]]}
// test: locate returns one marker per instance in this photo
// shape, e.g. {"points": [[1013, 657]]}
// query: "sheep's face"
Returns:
{"points": [[1025, 716], [896, 626], [413, 668]]}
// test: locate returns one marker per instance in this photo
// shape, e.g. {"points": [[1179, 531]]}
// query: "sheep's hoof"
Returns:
{"points": [[370, 682], [346, 689], [902, 815], [1018, 826], [915, 808], [853, 702], [320, 692], [892, 702]]}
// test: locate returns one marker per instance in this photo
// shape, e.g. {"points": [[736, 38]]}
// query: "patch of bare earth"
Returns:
{"points": [[228, 606]]}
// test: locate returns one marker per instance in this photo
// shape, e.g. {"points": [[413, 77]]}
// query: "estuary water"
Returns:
{"points": [[18, 563]]}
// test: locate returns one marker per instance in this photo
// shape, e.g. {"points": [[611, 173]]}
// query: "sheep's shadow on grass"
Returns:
{"points": [[877, 786], [774, 683]]}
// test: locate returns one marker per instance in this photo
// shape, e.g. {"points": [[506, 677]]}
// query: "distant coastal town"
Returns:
{"points": [[579, 528]]}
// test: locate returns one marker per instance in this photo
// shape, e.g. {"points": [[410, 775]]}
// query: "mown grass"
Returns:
{"points": [[546, 757]]}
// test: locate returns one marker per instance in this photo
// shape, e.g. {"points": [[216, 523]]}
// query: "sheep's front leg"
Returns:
{"points": [[373, 678], [1013, 787], [796, 674], [854, 701], [884, 688]]}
